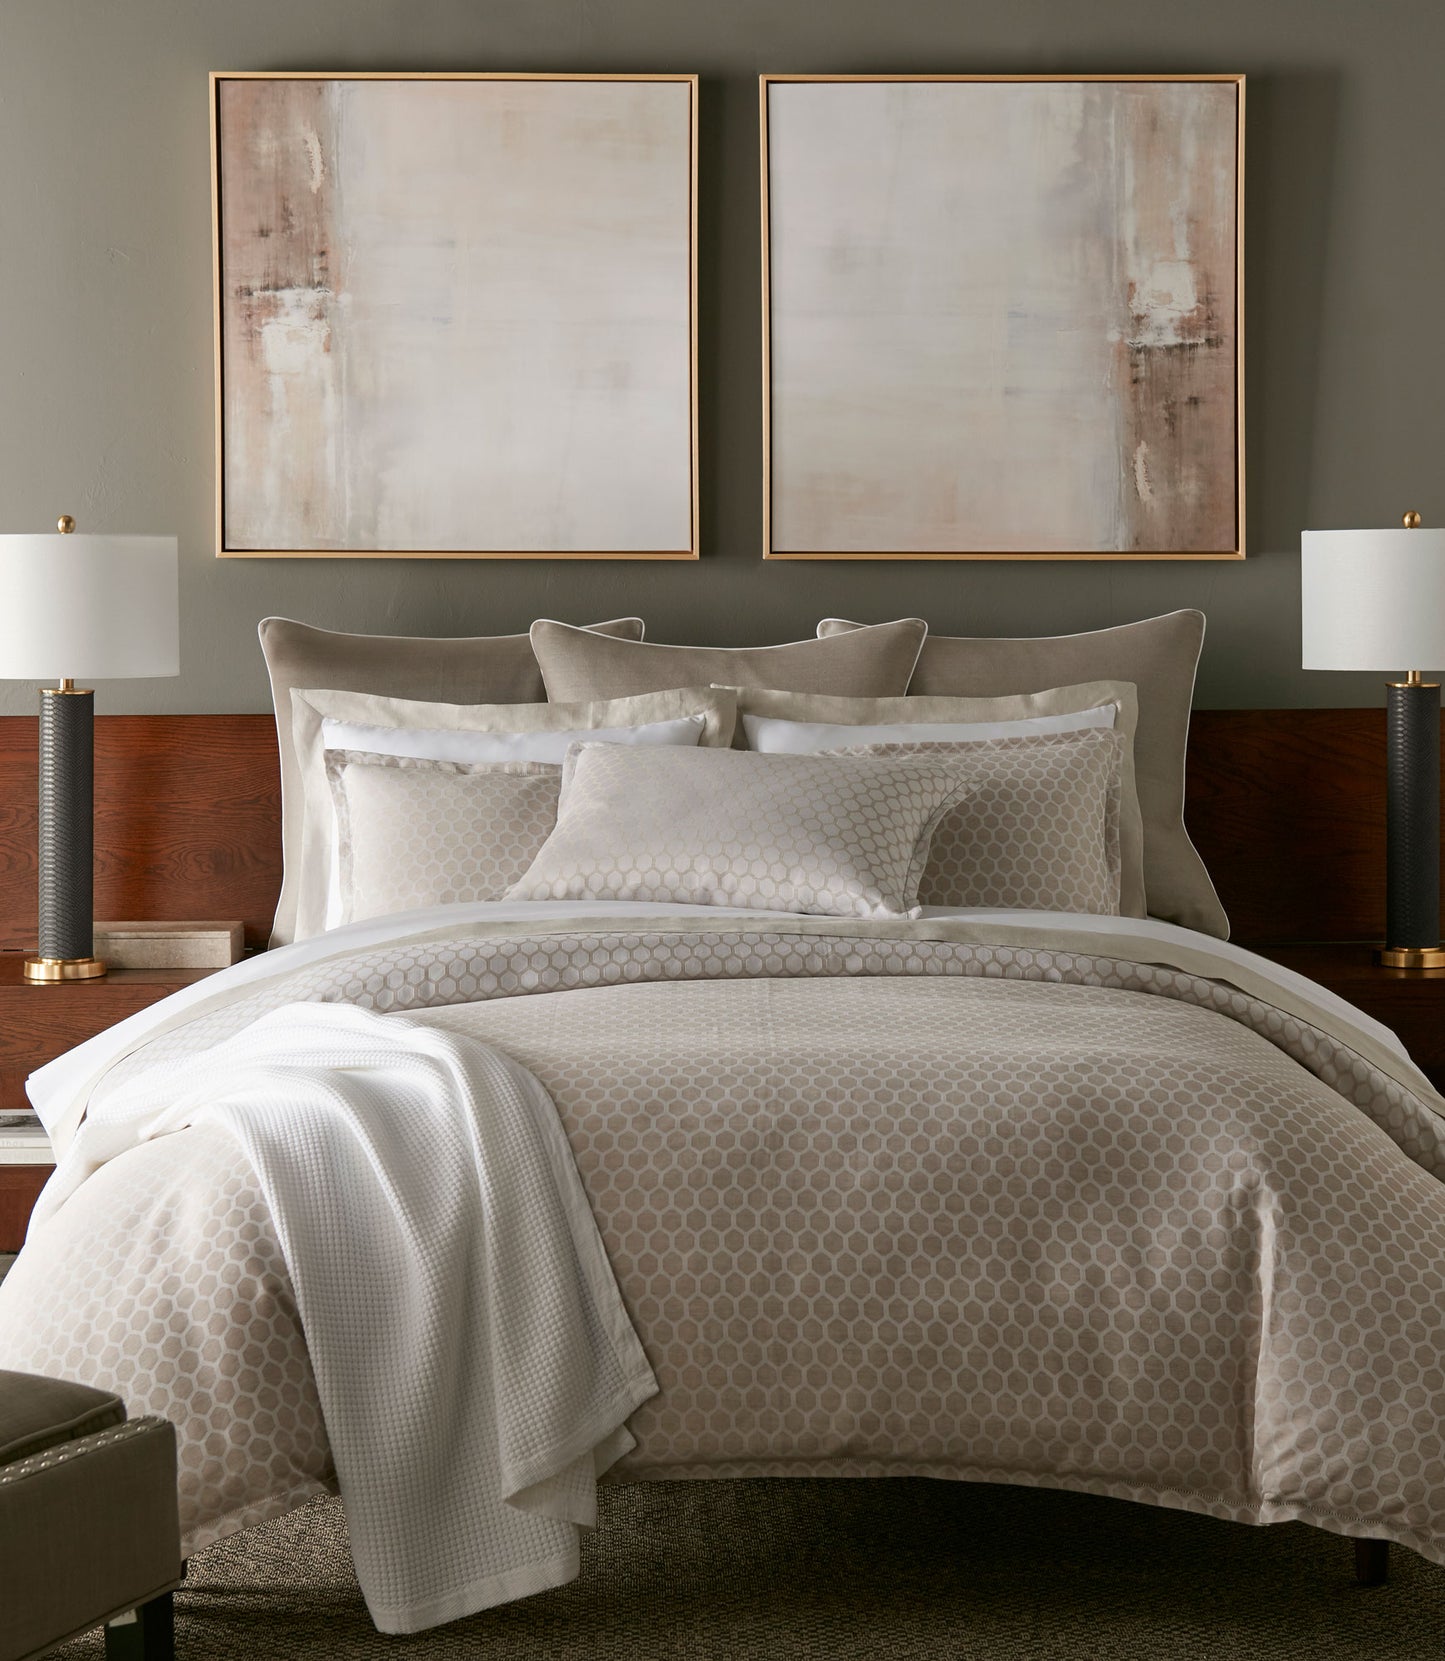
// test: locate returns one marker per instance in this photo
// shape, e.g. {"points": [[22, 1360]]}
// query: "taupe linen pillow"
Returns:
{"points": [[414, 832], [1056, 701], [873, 662], [1039, 831], [1160, 655], [836, 836], [470, 669]]}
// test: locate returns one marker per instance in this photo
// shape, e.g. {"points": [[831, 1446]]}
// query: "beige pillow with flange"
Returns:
{"points": [[1039, 830], [1058, 701], [708, 714], [492, 669], [1160, 655], [414, 832], [833, 836], [873, 662]]}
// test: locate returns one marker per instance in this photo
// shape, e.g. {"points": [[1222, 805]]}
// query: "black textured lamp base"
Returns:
{"points": [[1412, 832], [67, 797], [63, 968]]}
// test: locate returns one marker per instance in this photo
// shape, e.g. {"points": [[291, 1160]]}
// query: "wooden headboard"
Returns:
{"points": [[187, 821], [1286, 806]]}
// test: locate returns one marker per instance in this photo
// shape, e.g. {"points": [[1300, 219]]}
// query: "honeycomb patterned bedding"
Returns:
{"points": [[878, 1204]]}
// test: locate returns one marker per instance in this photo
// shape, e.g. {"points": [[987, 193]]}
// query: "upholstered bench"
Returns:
{"points": [[89, 1530]]}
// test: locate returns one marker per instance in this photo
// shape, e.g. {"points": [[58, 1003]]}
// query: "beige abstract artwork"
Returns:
{"points": [[1003, 318], [456, 315]]}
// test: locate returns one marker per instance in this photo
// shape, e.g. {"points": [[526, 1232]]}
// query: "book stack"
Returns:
{"points": [[23, 1140]]}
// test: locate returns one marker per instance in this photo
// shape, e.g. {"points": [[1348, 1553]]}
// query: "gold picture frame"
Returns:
{"points": [[829, 487], [631, 468]]}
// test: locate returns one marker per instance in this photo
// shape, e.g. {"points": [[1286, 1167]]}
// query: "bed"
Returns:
{"points": [[1051, 1197]]}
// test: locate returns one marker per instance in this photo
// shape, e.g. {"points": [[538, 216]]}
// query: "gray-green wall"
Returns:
{"points": [[105, 306]]}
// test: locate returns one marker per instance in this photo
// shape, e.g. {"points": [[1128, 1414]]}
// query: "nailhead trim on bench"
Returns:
{"points": [[76, 1450]]}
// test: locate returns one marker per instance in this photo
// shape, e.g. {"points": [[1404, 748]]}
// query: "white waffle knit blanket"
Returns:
{"points": [[474, 1359]]}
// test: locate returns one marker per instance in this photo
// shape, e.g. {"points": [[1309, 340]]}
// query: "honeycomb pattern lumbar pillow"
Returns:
{"points": [[837, 836]]}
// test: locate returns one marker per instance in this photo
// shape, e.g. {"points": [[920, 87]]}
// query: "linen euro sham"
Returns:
{"points": [[834, 836], [872, 662]]}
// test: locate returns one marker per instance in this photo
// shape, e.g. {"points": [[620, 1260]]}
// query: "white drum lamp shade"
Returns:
{"points": [[1374, 599], [88, 607]]}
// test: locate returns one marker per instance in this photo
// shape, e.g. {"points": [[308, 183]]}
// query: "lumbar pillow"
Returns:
{"points": [[871, 663], [1159, 656], [838, 836]]}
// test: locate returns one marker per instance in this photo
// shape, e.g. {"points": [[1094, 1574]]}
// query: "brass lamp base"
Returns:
{"points": [[63, 968], [1411, 957]]}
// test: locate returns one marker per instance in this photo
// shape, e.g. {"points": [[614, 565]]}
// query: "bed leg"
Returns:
{"points": [[148, 1633], [1372, 1562]]}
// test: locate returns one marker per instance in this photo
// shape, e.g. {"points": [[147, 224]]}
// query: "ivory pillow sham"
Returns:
{"points": [[1160, 656], [873, 662], [412, 832], [492, 669], [467, 734], [1039, 830], [835, 836], [785, 720]]}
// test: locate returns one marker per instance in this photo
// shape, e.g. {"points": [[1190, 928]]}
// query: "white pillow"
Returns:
{"points": [[366, 722], [806, 738], [433, 744]]}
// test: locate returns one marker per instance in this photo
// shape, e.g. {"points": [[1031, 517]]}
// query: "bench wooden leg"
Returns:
{"points": [[148, 1633], [1372, 1562]]}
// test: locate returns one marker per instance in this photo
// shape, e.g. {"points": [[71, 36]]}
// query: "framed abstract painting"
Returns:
{"points": [[1003, 317], [456, 315]]}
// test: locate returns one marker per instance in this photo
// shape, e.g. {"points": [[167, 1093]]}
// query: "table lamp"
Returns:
{"points": [[1376, 600], [92, 606]]}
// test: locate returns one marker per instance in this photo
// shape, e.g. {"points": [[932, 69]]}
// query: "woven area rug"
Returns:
{"points": [[764, 1571]]}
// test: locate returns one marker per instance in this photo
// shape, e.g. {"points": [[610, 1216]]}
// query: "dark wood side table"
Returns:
{"points": [[1411, 1002], [40, 1022]]}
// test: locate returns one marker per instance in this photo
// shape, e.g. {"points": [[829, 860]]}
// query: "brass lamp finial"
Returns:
{"points": [[65, 524], [1412, 520]]}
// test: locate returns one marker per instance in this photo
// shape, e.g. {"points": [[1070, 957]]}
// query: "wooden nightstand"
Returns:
{"points": [[40, 1022], [1411, 1002]]}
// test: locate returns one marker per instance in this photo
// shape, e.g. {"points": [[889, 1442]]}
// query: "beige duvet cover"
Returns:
{"points": [[1073, 1203]]}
